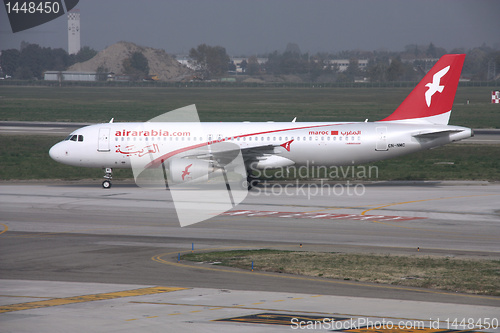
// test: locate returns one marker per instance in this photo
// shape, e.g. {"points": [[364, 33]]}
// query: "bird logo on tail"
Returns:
{"points": [[435, 85]]}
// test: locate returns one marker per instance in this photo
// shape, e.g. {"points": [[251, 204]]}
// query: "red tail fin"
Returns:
{"points": [[432, 99]]}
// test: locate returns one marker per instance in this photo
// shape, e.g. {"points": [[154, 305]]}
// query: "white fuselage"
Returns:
{"points": [[111, 145]]}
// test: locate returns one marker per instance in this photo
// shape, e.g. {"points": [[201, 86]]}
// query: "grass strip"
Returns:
{"points": [[461, 275], [27, 158], [472, 106]]}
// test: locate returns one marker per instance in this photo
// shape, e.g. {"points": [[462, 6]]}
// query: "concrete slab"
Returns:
{"points": [[199, 309]]}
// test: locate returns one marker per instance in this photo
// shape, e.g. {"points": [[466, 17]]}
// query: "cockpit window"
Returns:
{"points": [[74, 137]]}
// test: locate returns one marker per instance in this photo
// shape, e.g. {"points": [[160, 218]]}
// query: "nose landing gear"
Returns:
{"points": [[108, 175]]}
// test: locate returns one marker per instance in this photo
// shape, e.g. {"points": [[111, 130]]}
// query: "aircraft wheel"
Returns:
{"points": [[251, 182], [106, 184]]}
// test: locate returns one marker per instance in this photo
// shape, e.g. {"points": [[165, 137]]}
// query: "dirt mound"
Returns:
{"points": [[160, 63]]}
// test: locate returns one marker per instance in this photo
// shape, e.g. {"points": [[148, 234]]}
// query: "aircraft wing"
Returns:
{"points": [[224, 153], [253, 154]]}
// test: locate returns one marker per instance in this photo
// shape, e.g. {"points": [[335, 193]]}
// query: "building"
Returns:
{"points": [[343, 64], [185, 60], [237, 62], [70, 76]]}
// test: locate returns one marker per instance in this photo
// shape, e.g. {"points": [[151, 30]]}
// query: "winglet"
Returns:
{"points": [[432, 99]]}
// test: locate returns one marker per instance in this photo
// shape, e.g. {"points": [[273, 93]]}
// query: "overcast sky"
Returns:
{"points": [[255, 26]]}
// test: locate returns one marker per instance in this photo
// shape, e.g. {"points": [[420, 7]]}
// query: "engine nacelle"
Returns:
{"points": [[273, 162], [186, 170]]}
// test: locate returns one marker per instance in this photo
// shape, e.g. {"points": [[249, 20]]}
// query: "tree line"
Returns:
{"points": [[481, 64], [32, 60]]}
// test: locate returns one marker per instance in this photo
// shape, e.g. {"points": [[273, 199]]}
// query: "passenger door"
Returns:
{"points": [[103, 141], [381, 144]]}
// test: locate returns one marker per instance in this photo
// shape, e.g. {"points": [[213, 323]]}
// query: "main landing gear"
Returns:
{"points": [[108, 175], [252, 181]]}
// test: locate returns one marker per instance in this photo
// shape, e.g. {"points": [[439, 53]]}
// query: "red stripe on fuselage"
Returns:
{"points": [[156, 162]]}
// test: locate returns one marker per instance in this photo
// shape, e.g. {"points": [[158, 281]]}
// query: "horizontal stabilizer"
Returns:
{"points": [[429, 134]]}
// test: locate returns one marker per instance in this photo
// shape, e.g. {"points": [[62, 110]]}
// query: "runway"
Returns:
{"points": [[39, 128], [73, 251]]}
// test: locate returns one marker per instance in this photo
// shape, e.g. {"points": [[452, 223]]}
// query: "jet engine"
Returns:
{"points": [[187, 169]]}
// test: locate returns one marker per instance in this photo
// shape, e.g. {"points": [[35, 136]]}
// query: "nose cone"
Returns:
{"points": [[58, 152]]}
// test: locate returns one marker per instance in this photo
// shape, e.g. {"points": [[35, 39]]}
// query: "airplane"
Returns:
{"points": [[419, 123]]}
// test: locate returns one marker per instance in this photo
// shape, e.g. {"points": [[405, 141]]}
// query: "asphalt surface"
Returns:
{"points": [[38, 128], [63, 242]]}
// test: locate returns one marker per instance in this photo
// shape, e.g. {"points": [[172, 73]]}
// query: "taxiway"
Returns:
{"points": [[72, 252]]}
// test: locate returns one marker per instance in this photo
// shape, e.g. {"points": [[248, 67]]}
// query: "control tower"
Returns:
{"points": [[73, 31]]}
